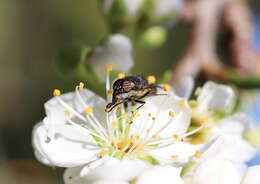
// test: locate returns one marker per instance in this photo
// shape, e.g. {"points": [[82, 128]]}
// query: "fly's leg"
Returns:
{"points": [[141, 102]]}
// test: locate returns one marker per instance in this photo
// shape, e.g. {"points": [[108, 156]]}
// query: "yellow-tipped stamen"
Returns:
{"points": [[120, 75], [154, 136], [81, 85], [110, 92], [56, 92], [103, 153], [137, 137], [182, 103], [174, 156], [88, 111], [197, 154], [124, 115], [114, 123], [153, 118], [109, 68], [171, 114], [139, 148], [67, 113], [175, 136], [151, 79], [149, 114], [166, 87]]}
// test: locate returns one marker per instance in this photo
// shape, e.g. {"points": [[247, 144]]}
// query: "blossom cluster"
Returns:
{"points": [[172, 138]]}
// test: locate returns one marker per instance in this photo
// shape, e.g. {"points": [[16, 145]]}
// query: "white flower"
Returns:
{"points": [[160, 174], [77, 132], [167, 7], [132, 6], [116, 51]]}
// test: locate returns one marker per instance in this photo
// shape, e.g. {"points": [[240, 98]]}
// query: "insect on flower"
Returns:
{"points": [[131, 89]]}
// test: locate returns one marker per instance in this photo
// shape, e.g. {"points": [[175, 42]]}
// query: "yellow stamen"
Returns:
{"points": [[175, 136], [137, 137], [182, 103], [166, 87], [151, 79], [149, 114], [56, 92], [197, 154], [154, 136], [153, 118], [109, 68], [110, 91], [124, 116], [174, 156], [139, 148], [103, 153], [172, 114], [71, 177], [81, 85], [120, 75], [88, 111], [129, 141], [67, 112], [148, 130], [114, 123]]}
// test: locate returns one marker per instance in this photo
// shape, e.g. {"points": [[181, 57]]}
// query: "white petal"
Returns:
{"points": [[71, 176], [160, 174], [216, 96], [167, 7], [114, 169], [110, 182], [184, 87], [252, 175], [231, 141], [214, 171], [42, 159], [55, 111], [159, 107], [182, 150], [117, 51], [133, 6], [66, 149]]}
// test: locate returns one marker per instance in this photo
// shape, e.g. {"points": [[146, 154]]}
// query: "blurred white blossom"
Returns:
{"points": [[116, 51]]}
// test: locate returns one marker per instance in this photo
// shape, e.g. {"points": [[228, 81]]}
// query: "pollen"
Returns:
{"points": [[172, 114], [71, 177], [103, 153], [139, 148], [124, 116], [182, 103], [109, 68], [151, 79], [114, 123], [197, 154], [174, 156], [154, 118], [56, 92], [88, 111], [149, 114], [110, 91], [154, 136], [166, 87], [67, 112], [120, 75], [175, 136], [137, 137], [81, 85]]}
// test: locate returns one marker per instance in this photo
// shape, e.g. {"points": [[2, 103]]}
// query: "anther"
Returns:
{"points": [[197, 154], [88, 111], [67, 112], [109, 68], [166, 87], [103, 153], [182, 103], [137, 137], [139, 148], [110, 91], [154, 136], [124, 116], [175, 136], [151, 79], [120, 75], [153, 118], [56, 92], [174, 156], [114, 123], [81, 85], [172, 114]]}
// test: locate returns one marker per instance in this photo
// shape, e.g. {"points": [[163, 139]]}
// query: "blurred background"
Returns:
{"points": [[41, 47]]}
